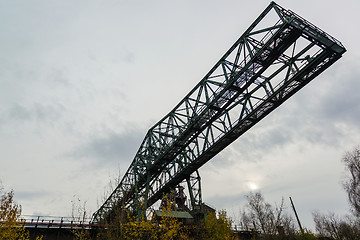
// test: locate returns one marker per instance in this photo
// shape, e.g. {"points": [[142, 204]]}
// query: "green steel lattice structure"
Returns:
{"points": [[276, 56]]}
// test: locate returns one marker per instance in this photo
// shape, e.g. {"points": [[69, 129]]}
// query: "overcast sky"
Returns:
{"points": [[81, 82]]}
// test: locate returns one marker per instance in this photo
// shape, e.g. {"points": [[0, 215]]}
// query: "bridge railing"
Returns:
{"points": [[30, 221]]}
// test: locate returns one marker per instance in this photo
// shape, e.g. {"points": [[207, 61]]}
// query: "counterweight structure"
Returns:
{"points": [[276, 56]]}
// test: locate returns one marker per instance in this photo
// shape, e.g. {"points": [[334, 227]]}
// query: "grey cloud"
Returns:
{"points": [[37, 112], [30, 195], [112, 148], [342, 102], [253, 145], [222, 202], [335, 96], [59, 76], [277, 135], [18, 112], [326, 106], [127, 56]]}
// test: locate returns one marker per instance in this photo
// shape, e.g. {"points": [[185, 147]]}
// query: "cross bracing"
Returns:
{"points": [[276, 56]]}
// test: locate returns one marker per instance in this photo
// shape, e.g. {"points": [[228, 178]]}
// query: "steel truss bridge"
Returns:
{"points": [[275, 57]]}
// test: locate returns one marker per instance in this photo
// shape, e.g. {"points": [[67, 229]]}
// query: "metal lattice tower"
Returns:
{"points": [[276, 56]]}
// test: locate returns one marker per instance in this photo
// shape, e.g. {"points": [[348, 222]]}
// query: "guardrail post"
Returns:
{"points": [[37, 221]]}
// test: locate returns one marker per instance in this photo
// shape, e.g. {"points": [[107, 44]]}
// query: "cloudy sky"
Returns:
{"points": [[81, 82]]}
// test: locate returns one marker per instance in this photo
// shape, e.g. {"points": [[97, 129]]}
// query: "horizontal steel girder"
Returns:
{"points": [[265, 66]]}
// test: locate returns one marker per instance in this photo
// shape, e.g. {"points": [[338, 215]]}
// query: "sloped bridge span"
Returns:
{"points": [[274, 58]]}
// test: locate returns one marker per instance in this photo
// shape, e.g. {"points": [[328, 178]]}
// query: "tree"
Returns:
{"points": [[352, 182], [9, 218], [346, 227], [11, 226], [330, 225], [326, 224], [167, 227], [262, 216], [217, 228], [79, 215]]}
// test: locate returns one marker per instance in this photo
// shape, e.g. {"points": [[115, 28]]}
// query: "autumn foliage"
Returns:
{"points": [[11, 226]]}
